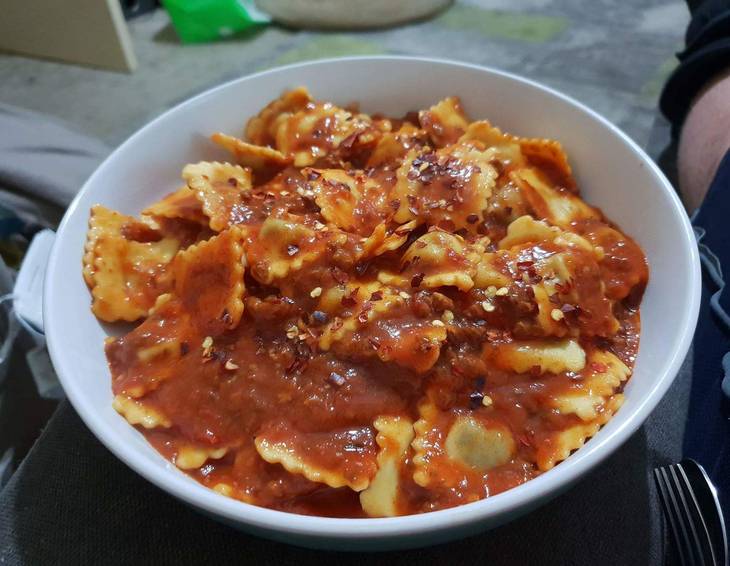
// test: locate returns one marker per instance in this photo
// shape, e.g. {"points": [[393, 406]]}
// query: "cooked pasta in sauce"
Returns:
{"points": [[368, 316]]}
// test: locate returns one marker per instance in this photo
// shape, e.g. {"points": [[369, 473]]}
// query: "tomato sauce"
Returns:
{"points": [[269, 379]]}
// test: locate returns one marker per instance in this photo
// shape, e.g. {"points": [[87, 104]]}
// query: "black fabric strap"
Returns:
{"points": [[706, 55]]}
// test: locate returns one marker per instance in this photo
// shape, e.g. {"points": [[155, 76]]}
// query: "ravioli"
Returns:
{"points": [[365, 315]]}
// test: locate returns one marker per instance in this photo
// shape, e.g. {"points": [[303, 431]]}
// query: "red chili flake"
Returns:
{"points": [[493, 334], [292, 249], [395, 205], [525, 264], [184, 348], [472, 218], [417, 279], [349, 140], [415, 260], [412, 205], [302, 353], [363, 316], [233, 182], [420, 244], [336, 324], [296, 366], [457, 371], [564, 288], [313, 175], [401, 231], [426, 177], [599, 367], [374, 343], [524, 440], [351, 299], [447, 225], [376, 296], [338, 275]]}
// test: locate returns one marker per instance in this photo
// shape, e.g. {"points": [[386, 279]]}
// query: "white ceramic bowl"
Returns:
{"points": [[611, 170]]}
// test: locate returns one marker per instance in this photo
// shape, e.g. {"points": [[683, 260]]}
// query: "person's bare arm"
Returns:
{"points": [[704, 140]]}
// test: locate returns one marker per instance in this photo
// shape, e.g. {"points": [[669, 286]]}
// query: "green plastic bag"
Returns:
{"points": [[207, 20]]}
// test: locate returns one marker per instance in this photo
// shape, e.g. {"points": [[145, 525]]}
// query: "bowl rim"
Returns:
{"points": [[537, 489]]}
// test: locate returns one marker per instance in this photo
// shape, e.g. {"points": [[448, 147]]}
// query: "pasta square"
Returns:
{"points": [[352, 201], [297, 454], [457, 448], [448, 188], [219, 187], [262, 160], [445, 122], [209, 281], [125, 275], [183, 203], [262, 129], [395, 434]]}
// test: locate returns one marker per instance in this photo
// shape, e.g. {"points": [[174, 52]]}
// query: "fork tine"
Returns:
{"points": [[670, 513], [707, 552], [686, 514]]}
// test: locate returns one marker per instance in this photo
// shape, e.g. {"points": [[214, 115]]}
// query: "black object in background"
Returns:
{"points": [[134, 8]]}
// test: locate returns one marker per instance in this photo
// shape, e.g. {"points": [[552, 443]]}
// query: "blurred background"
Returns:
{"points": [[612, 55], [102, 69]]}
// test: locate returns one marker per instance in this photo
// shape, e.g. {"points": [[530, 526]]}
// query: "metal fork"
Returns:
{"points": [[693, 512]]}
